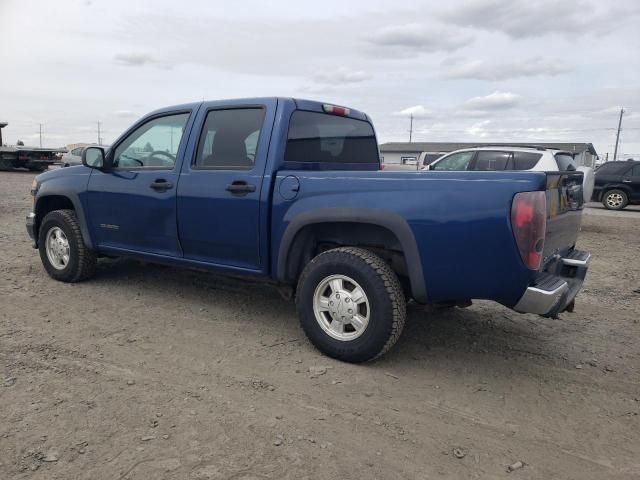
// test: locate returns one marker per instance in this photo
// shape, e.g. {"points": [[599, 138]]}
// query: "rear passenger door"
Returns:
{"points": [[219, 189]]}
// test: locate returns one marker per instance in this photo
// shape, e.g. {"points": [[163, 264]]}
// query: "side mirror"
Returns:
{"points": [[93, 157]]}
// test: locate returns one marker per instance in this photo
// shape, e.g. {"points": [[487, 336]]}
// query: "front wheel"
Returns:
{"points": [[615, 200], [62, 250], [351, 304]]}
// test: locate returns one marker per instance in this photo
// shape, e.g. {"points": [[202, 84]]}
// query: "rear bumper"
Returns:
{"points": [[555, 289], [31, 229]]}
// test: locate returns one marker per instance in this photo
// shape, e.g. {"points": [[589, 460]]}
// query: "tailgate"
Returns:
{"points": [[564, 212]]}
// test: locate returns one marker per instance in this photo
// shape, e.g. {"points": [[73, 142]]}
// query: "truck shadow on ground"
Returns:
{"points": [[488, 329]]}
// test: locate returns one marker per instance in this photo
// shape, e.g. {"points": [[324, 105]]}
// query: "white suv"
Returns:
{"points": [[488, 158]]}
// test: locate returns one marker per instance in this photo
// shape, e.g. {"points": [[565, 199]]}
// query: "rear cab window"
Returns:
{"points": [[326, 141]]}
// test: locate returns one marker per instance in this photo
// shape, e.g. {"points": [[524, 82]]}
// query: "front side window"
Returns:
{"points": [[490, 161], [455, 161], [323, 138], [153, 144], [229, 139]]}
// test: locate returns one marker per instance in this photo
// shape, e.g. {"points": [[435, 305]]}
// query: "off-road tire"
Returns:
{"points": [[82, 261], [382, 288], [622, 193]]}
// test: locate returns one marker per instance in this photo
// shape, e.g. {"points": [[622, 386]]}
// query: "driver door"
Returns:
{"points": [[132, 207]]}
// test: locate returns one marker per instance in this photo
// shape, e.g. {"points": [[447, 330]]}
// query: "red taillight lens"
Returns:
{"points": [[529, 223], [336, 110]]}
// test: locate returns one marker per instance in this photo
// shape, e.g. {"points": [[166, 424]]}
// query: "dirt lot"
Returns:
{"points": [[149, 372]]}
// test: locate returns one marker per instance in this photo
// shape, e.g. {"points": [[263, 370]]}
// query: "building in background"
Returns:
{"points": [[409, 153]]}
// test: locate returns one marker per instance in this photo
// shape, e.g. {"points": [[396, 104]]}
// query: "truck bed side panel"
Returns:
{"points": [[461, 221]]}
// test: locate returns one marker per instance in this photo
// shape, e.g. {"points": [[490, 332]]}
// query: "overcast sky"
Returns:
{"points": [[481, 70]]}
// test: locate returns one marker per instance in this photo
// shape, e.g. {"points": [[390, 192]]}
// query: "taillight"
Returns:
{"points": [[382, 166], [336, 110], [529, 222]]}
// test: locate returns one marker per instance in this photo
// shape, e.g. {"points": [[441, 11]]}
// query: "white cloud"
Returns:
{"points": [[478, 129], [418, 111], [494, 101], [497, 71], [420, 38], [138, 60], [340, 76], [528, 18]]}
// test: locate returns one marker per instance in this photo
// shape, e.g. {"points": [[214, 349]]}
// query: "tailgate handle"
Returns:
{"points": [[240, 187]]}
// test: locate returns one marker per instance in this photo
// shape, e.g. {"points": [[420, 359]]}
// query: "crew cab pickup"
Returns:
{"points": [[291, 190]]}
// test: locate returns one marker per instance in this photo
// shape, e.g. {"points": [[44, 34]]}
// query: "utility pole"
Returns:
{"points": [[99, 137], [411, 127], [615, 150], [40, 134]]}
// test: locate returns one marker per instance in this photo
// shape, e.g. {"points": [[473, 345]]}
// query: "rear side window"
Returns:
{"points": [[229, 139], [525, 160], [565, 162], [489, 161], [635, 171], [322, 138]]}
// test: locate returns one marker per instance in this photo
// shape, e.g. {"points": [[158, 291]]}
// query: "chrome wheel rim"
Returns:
{"points": [[341, 307], [57, 247], [614, 199]]}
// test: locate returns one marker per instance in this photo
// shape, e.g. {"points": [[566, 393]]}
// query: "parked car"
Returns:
{"points": [[290, 190], [74, 157], [617, 184], [489, 158]]}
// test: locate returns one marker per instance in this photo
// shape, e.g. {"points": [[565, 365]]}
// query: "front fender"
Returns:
{"points": [[71, 184]]}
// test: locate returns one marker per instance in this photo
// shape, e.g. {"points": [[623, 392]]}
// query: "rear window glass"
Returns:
{"points": [[565, 162], [613, 168], [321, 138], [525, 160], [489, 161]]}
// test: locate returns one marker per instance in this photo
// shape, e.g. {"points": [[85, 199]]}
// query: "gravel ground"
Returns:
{"points": [[148, 372]]}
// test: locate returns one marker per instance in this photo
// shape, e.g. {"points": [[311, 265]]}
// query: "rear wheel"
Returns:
{"points": [[615, 200], [351, 304], [62, 250]]}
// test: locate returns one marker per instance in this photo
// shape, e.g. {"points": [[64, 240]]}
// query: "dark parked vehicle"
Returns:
{"points": [[617, 184], [290, 190]]}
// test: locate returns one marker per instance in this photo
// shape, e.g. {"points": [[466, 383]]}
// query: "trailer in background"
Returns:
{"points": [[36, 159]]}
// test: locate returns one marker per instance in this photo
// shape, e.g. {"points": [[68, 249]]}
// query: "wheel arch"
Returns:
{"points": [[372, 228], [50, 202]]}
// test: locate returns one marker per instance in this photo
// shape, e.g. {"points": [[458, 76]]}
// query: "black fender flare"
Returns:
{"points": [[80, 214], [389, 220]]}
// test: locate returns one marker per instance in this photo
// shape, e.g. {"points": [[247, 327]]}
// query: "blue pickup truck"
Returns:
{"points": [[291, 191]]}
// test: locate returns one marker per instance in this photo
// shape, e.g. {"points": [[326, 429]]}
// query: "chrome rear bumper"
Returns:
{"points": [[555, 289]]}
